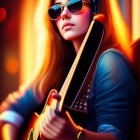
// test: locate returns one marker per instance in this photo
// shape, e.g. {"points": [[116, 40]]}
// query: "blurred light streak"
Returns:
{"points": [[135, 19], [42, 52], [27, 49], [121, 28], [126, 12]]}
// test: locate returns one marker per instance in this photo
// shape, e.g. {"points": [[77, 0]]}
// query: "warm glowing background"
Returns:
{"points": [[17, 37]]}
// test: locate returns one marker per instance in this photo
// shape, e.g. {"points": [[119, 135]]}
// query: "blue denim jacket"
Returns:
{"points": [[112, 96], [110, 103]]}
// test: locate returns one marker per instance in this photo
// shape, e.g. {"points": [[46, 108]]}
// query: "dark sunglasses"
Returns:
{"points": [[74, 6]]}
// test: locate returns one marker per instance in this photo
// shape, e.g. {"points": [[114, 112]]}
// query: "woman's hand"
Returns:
{"points": [[54, 126]]}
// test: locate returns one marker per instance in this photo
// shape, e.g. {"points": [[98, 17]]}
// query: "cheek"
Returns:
{"points": [[82, 25], [58, 25], [83, 21]]}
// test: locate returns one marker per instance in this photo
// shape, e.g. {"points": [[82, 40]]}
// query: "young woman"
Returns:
{"points": [[111, 98]]}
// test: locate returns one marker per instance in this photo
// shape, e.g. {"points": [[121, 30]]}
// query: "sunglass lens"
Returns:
{"points": [[74, 6], [55, 11]]}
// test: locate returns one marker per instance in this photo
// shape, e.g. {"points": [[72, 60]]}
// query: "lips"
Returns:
{"points": [[67, 25]]}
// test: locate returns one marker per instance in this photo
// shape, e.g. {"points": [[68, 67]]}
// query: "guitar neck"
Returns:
{"points": [[73, 68], [69, 77]]}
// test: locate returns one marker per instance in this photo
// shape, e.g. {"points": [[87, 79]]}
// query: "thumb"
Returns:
{"points": [[56, 96]]}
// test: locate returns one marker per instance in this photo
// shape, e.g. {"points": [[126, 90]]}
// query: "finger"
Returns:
{"points": [[56, 119], [56, 96], [45, 127], [50, 131], [51, 120], [46, 132]]}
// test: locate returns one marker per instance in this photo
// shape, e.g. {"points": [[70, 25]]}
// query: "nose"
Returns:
{"points": [[65, 13]]}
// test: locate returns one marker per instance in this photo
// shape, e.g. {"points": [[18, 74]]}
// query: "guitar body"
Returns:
{"points": [[28, 134], [32, 131]]}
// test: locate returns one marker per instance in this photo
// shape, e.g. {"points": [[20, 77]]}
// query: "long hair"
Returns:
{"points": [[58, 54]]}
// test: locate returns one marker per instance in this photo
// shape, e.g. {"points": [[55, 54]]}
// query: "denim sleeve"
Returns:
{"points": [[19, 105], [108, 128], [113, 94]]}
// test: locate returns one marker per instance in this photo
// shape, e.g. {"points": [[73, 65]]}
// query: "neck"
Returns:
{"points": [[77, 44], [76, 47]]}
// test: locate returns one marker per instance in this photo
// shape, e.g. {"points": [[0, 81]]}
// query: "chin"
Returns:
{"points": [[70, 37]]}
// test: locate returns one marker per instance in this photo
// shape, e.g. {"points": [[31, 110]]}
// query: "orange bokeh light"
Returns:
{"points": [[11, 65]]}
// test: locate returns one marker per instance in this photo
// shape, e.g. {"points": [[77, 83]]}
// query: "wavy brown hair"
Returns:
{"points": [[59, 54]]}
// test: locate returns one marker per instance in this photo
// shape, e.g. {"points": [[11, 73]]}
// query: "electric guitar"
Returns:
{"points": [[78, 77]]}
